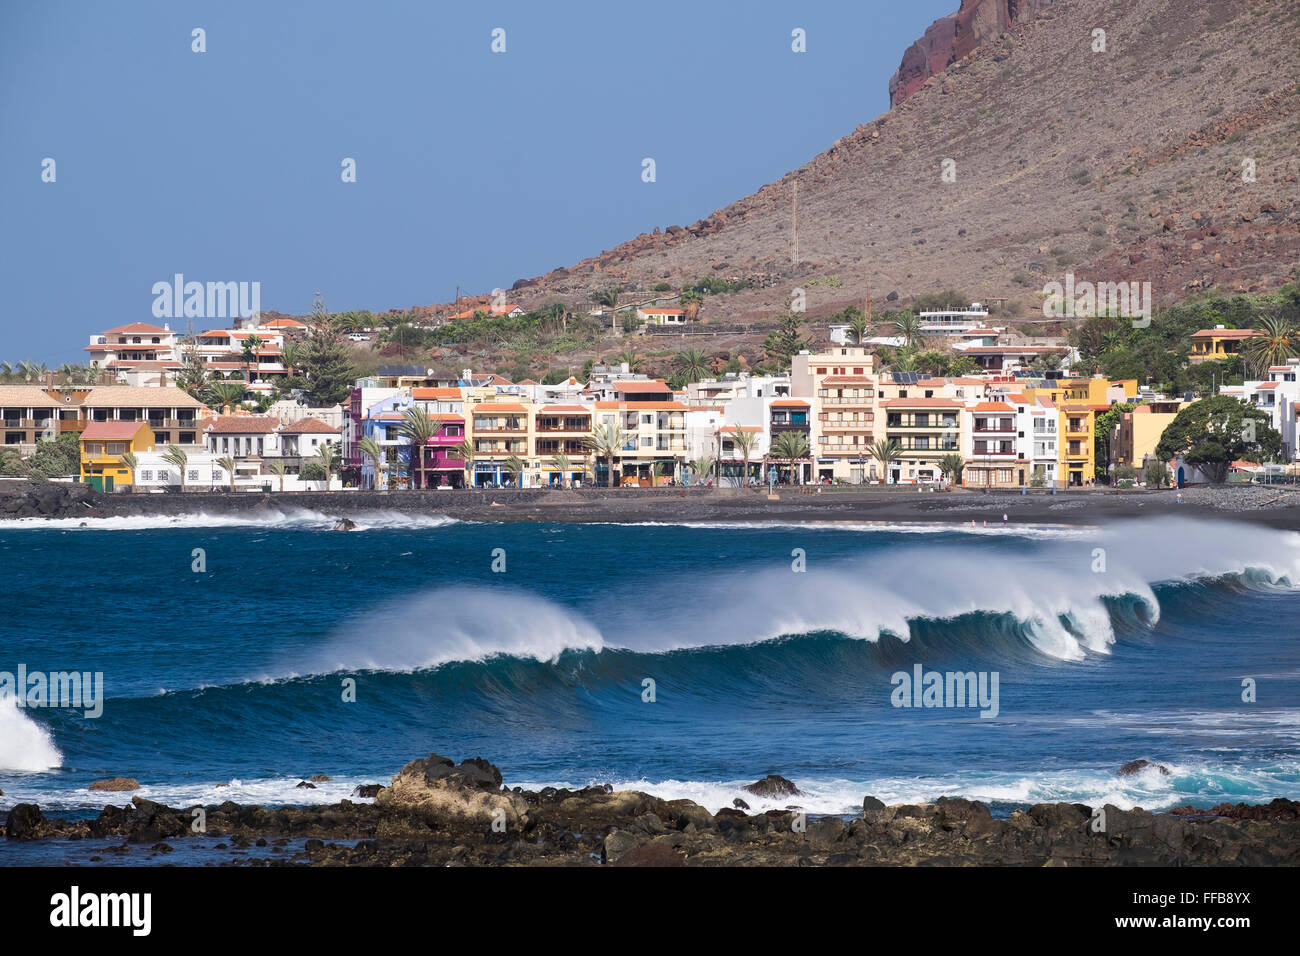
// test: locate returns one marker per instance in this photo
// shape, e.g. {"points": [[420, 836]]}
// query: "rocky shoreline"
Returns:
{"points": [[1276, 506], [438, 813]]}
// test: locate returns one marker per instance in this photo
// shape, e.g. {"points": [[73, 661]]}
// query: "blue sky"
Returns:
{"points": [[473, 168]]}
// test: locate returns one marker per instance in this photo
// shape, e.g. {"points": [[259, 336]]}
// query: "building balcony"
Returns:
{"points": [[845, 400]]}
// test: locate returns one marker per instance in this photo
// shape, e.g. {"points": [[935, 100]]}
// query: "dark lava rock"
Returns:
{"points": [[345, 524], [474, 774], [740, 804], [1278, 809], [871, 805], [25, 821], [367, 790], [773, 786], [1137, 766], [304, 785], [651, 854], [116, 784]]}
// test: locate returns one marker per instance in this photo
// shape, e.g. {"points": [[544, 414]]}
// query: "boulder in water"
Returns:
{"points": [[116, 784], [345, 524], [773, 785], [1134, 767]]}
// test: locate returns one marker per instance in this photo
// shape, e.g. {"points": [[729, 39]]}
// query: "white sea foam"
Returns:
{"points": [[24, 744], [277, 518]]}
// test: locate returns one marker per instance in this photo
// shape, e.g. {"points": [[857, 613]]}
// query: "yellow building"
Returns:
{"points": [[926, 430], [1218, 343], [500, 430], [842, 385], [102, 446], [1098, 391], [1135, 437], [1077, 458], [656, 437]]}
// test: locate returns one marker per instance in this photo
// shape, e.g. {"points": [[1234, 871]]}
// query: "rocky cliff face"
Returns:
{"points": [[950, 38]]}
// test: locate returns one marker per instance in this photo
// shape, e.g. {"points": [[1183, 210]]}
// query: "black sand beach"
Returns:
{"points": [[1274, 506]]}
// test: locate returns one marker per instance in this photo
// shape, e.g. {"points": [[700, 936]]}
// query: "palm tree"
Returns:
{"points": [[701, 466], [326, 455], [465, 452], [887, 453], [374, 451], [292, 355], [515, 467], [251, 345], [608, 298], [130, 461], [745, 442], [908, 326], [951, 466], [175, 455], [607, 441], [631, 359], [858, 327], [277, 469], [225, 394], [562, 463], [417, 427], [1276, 342], [228, 463], [789, 446], [904, 360], [691, 301], [692, 364]]}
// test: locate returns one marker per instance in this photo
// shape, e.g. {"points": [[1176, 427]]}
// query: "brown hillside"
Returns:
{"points": [[1122, 165]]}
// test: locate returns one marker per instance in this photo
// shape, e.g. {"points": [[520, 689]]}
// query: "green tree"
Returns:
{"points": [[782, 345], [745, 442], [692, 364], [562, 463], [606, 442], [371, 449], [701, 467], [175, 455], [278, 469], [249, 350], [515, 467], [1216, 431], [327, 461], [691, 301], [417, 428], [951, 467], [790, 446], [228, 463], [465, 452], [130, 461], [1103, 429], [908, 327], [1277, 342], [225, 394], [886, 453], [326, 361], [1157, 474]]}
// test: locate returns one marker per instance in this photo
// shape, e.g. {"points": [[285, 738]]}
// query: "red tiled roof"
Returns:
{"points": [[790, 403], [493, 407], [138, 328], [992, 407], [112, 431], [435, 394], [243, 425], [651, 385], [1225, 333], [309, 426], [564, 408]]}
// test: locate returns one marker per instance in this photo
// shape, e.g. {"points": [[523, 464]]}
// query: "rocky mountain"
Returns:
{"points": [[950, 38], [1120, 140]]}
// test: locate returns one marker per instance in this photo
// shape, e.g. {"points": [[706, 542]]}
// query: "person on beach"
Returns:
{"points": [[1004, 517]]}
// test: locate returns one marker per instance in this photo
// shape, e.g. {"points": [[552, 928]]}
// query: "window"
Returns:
{"points": [[647, 419], [163, 474], [193, 474], [647, 442], [146, 475]]}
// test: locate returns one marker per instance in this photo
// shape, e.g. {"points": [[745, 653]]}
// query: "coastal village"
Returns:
{"points": [[835, 417]]}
